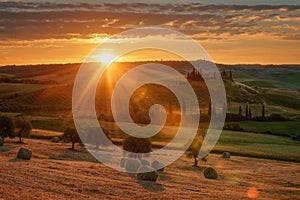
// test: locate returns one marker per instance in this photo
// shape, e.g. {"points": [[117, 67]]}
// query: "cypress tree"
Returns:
{"points": [[263, 114], [250, 113], [240, 110]]}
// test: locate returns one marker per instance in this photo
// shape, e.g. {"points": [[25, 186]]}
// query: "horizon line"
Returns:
{"points": [[230, 64]]}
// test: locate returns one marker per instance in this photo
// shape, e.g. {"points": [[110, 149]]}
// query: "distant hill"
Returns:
{"points": [[48, 88]]}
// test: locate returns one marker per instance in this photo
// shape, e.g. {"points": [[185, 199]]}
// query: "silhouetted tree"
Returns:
{"points": [[240, 110], [230, 75], [7, 127], [263, 114], [223, 74], [250, 113], [247, 110], [23, 127], [71, 135]]}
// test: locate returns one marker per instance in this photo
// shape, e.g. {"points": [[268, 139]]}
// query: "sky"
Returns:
{"points": [[232, 32]]}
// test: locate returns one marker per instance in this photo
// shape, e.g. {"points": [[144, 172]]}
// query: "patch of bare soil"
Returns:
{"points": [[56, 172]]}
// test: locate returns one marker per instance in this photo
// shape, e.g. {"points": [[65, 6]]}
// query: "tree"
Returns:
{"points": [[23, 127], [71, 135], [7, 126], [240, 110], [194, 149], [263, 113], [247, 111], [95, 136], [230, 76], [137, 145], [250, 113]]}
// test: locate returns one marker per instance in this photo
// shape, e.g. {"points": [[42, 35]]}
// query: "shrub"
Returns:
{"points": [[23, 127], [6, 126], [231, 117], [71, 135], [233, 127], [137, 145], [273, 117]]}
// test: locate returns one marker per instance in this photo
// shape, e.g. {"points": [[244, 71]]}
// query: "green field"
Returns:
{"points": [[259, 145], [288, 128], [237, 143]]}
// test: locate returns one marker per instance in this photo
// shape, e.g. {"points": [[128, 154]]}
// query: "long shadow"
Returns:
{"points": [[149, 185], [6, 148], [75, 155], [17, 160], [152, 186], [192, 168], [163, 176]]}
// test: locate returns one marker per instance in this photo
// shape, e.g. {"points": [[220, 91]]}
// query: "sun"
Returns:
{"points": [[106, 58]]}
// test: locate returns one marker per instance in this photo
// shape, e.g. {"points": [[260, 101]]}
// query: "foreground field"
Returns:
{"points": [[55, 172]]}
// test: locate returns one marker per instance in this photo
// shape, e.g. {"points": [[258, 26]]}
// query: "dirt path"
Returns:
{"points": [[55, 172]]}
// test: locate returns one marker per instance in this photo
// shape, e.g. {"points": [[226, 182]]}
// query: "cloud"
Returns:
{"points": [[42, 21]]}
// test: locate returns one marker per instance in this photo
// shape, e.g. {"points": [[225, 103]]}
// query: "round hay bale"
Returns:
{"points": [[55, 140], [158, 166], [24, 154], [1, 141], [145, 162], [226, 155], [132, 165], [210, 173], [123, 161], [146, 173]]}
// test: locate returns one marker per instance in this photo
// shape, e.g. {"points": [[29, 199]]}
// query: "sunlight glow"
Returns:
{"points": [[106, 58]]}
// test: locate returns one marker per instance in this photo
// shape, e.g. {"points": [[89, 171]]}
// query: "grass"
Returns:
{"points": [[257, 83], [288, 128], [283, 100], [42, 134], [259, 145], [51, 125], [238, 143]]}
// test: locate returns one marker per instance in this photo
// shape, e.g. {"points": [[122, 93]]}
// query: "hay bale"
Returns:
{"points": [[1, 141], [24, 154], [55, 140], [158, 165], [210, 173], [226, 155], [132, 165], [123, 161], [145, 162], [146, 173]]}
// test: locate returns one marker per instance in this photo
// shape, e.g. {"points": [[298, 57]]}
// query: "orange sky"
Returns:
{"points": [[32, 33]]}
